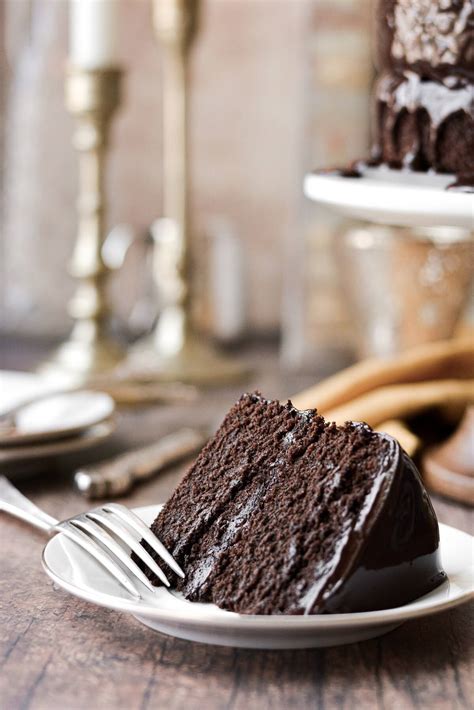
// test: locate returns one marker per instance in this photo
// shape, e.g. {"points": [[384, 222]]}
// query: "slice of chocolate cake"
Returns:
{"points": [[285, 513]]}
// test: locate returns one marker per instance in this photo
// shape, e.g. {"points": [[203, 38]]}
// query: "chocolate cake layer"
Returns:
{"points": [[285, 513]]}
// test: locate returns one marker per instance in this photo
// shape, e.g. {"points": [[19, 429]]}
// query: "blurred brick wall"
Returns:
{"points": [[276, 91]]}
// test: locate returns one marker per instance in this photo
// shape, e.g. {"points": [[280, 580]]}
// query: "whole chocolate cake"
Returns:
{"points": [[285, 513], [424, 96]]}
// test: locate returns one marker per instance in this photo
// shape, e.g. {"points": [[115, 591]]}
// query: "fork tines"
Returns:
{"points": [[109, 533]]}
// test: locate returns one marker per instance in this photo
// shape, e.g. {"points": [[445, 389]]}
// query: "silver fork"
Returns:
{"points": [[108, 533]]}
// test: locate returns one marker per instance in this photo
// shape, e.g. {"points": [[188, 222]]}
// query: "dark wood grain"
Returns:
{"points": [[59, 652]]}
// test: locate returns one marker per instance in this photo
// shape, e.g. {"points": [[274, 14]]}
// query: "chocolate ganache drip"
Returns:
{"points": [[463, 183]]}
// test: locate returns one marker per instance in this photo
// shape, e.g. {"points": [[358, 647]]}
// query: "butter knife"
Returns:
{"points": [[117, 476]]}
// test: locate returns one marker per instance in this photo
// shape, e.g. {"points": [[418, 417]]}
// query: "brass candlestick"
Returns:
{"points": [[175, 351], [92, 96]]}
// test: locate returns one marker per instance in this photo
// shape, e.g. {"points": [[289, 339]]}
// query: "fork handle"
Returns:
{"points": [[16, 504], [116, 477]]}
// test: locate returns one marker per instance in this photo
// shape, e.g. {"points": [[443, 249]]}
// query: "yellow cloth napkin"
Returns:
{"points": [[382, 392]]}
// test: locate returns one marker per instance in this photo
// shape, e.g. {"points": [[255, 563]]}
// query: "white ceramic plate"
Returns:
{"points": [[59, 416], [395, 197], [73, 570], [16, 387], [39, 452]]}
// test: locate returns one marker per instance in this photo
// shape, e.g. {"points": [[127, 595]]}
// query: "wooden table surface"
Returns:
{"points": [[57, 651]]}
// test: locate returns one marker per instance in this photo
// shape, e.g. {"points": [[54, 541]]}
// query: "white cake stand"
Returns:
{"points": [[395, 197]]}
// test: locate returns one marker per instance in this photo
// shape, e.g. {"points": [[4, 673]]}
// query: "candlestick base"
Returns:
{"points": [[196, 362], [84, 356]]}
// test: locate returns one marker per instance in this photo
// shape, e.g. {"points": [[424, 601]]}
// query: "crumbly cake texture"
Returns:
{"points": [[424, 96], [285, 513]]}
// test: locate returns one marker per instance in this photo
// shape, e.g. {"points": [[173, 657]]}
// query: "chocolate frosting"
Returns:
{"points": [[402, 94], [463, 183], [397, 558], [349, 171]]}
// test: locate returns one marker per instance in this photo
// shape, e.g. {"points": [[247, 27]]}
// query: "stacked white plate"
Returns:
{"points": [[54, 425]]}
